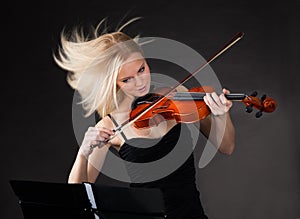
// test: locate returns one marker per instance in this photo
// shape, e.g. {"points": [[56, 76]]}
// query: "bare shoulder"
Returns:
{"points": [[105, 122]]}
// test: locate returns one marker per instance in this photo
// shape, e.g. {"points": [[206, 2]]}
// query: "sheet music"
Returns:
{"points": [[89, 191]]}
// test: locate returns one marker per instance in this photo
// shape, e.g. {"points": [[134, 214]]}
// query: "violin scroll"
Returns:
{"points": [[263, 104]]}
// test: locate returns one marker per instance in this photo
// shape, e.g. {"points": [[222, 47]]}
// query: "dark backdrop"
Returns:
{"points": [[259, 180]]}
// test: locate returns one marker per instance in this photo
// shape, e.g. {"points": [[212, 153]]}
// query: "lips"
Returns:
{"points": [[142, 89]]}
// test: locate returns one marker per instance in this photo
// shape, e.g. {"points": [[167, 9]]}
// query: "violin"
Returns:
{"points": [[189, 107]]}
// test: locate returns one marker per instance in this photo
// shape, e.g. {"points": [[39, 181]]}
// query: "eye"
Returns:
{"points": [[126, 80], [142, 69]]}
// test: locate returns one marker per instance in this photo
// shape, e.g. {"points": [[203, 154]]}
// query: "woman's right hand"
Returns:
{"points": [[95, 137]]}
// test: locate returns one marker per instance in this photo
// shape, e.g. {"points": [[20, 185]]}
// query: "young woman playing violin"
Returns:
{"points": [[109, 75]]}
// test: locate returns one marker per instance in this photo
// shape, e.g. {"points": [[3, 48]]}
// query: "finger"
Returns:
{"points": [[92, 133], [104, 136], [98, 140], [93, 138], [227, 103], [216, 99], [106, 133], [223, 99], [96, 135], [210, 103], [225, 91], [97, 129], [106, 130], [207, 99]]}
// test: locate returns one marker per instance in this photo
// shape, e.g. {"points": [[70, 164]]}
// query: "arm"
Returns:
{"points": [[86, 168], [88, 163], [218, 126], [78, 172], [223, 133]]}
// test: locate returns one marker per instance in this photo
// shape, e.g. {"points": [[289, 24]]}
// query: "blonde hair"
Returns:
{"points": [[93, 64]]}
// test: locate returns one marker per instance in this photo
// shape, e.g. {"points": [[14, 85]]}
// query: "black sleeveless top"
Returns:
{"points": [[178, 187]]}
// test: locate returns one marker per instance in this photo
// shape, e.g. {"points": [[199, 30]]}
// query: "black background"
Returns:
{"points": [[259, 180]]}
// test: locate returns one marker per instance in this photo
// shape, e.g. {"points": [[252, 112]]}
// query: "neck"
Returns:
{"points": [[199, 96]]}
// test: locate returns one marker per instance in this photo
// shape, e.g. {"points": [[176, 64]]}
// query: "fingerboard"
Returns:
{"points": [[199, 96]]}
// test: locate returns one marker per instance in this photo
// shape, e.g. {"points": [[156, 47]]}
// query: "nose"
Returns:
{"points": [[139, 81]]}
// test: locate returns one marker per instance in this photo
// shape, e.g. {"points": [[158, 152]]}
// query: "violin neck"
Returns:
{"points": [[199, 96]]}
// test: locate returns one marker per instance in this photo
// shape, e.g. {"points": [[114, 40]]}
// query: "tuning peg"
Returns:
{"points": [[249, 109], [263, 97], [254, 94], [258, 114]]}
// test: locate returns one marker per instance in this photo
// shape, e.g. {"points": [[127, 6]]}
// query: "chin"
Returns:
{"points": [[141, 94]]}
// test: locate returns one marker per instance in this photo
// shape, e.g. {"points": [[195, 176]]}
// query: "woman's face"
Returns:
{"points": [[134, 76]]}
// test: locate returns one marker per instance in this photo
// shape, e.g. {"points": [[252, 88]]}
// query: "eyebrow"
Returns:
{"points": [[122, 79]]}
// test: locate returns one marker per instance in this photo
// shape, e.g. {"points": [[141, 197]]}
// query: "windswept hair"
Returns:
{"points": [[93, 63]]}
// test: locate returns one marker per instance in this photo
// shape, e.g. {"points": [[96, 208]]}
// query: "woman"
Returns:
{"points": [[109, 71]]}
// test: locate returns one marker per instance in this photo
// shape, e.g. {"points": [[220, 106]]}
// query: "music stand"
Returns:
{"points": [[87, 201]]}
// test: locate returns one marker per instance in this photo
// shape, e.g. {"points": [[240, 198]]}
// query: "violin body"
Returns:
{"points": [[167, 109], [186, 107]]}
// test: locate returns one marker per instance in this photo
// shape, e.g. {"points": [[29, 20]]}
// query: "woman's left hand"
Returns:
{"points": [[218, 105]]}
